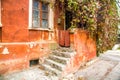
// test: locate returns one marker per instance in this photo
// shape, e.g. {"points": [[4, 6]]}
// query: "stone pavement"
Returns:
{"points": [[106, 67], [34, 73]]}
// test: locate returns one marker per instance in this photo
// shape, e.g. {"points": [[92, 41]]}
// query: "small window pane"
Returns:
{"points": [[36, 23], [45, 7], [44, 24], [35, 4], [44, 15], [35, 14]]}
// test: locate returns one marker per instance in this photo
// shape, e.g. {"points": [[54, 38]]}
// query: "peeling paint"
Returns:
{"points": [[5, 51]]}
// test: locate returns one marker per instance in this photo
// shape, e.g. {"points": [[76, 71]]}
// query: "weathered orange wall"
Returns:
{"points": [[15, 20], [57, 26], [0, 34], [85, 48], [22, 44], [34, 44], [14, 58], [40, 35], [58, 15], [18, 55], [71, 38]]}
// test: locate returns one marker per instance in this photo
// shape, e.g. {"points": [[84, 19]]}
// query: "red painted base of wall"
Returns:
{"points": [[13, 65], [16, 56]]}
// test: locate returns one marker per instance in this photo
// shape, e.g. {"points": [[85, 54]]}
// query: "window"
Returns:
{"points": [[44, 15], [36, 14], [39, 15], [0, 14]]}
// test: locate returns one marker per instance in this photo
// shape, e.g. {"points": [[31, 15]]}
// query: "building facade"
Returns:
{"points": [[29, 30]]}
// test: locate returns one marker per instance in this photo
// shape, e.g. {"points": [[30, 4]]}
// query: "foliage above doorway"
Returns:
{"points": [[98, 17]]}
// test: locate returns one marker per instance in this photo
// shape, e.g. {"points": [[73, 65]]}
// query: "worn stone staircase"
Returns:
{"points": [[57, 60]]}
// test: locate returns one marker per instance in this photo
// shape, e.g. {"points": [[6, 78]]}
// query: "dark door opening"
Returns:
{"points": [[68, 19]]}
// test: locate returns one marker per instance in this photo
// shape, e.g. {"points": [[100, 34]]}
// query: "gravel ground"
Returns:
{"points": [[37, 74], [30, 74]]}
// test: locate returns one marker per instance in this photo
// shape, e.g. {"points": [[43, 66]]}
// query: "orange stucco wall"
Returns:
{"points": [[20, 44], [0, 34], [85, 48], [14, 29], [40, 35], [16, 56], [57, 26], [14, 20]]}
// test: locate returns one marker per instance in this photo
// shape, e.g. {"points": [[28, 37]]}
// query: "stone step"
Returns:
{"points": [[51, 69], [54, 64], [59, 59], [64, 54], [64, 49]]}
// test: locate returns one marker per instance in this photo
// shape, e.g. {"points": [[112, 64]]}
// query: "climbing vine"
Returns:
{"points": [[107, 25], [98, 17]]}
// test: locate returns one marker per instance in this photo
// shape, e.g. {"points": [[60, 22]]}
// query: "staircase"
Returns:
{"points": [[57, 60]]}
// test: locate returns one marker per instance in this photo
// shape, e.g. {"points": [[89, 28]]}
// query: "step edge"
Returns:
{"points": [[60, 57], [56, 63], [52, 69]]}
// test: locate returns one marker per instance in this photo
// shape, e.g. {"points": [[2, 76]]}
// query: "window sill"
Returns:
{"points": [[41, 29]]}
